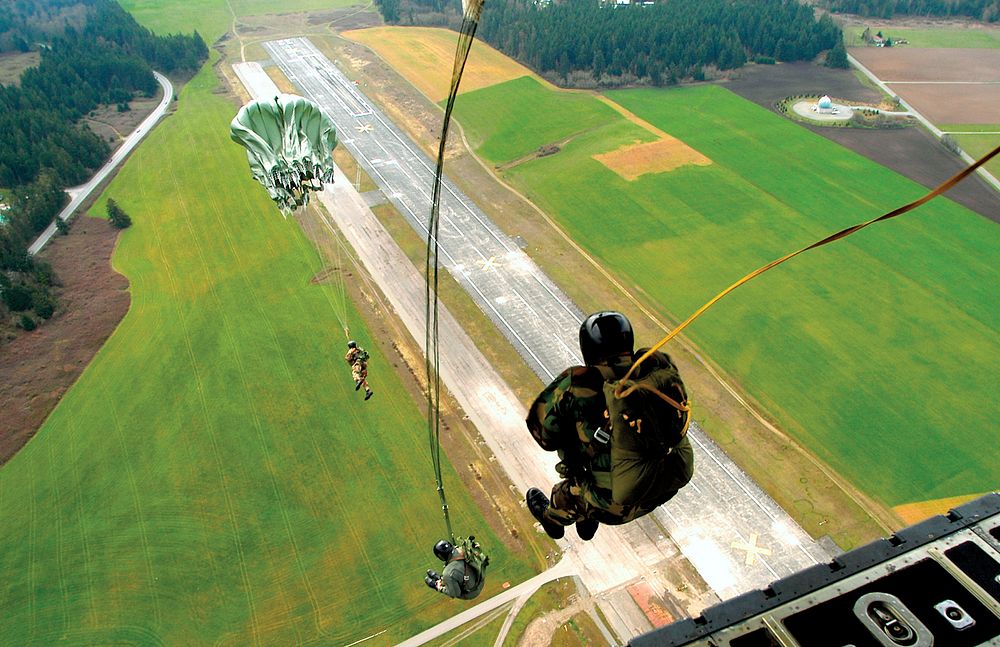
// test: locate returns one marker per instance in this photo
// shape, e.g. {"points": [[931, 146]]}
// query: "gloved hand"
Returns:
{"points": [[432, 579]]}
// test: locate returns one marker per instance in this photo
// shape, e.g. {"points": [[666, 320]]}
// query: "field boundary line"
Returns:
{"points": [[942, 82], [986, 175]]}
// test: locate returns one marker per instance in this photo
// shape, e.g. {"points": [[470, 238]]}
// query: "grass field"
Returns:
{"points": [[425, 56], [556, 116], [213, 477], [946, 37], [844, 346], [212, 18], [977, 140]]}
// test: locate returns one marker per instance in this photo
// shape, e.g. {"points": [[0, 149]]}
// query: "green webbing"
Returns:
{"points": [[470, 21]]}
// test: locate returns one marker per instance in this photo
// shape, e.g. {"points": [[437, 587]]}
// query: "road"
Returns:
{"points": [[80, 193], [736, 536]]}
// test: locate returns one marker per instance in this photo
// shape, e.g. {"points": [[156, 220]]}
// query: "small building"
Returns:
{"points": [[824, 105]]}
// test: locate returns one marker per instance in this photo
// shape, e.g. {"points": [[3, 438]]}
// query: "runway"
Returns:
{"points": [[737, 537]]}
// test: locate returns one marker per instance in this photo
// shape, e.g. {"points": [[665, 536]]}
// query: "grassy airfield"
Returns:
{"points": [[213, 477], [877, 353]]}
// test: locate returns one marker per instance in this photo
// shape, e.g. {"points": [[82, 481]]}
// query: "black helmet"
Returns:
{"points": [[603, 335], [443, 549], [352, 344]]}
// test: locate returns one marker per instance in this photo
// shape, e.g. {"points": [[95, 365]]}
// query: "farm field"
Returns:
{"points": [[912, 152], [972, 104], [213, 477], [420, 53], [806, 338], [931, 37], [977, 141], [13, 64], [945, 85], [933, 64]]}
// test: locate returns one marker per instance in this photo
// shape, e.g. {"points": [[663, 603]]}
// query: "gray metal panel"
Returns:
{"points": [[826, 581]]}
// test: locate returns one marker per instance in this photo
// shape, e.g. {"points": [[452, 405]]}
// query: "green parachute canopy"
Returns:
{"points": [[289, 142]]}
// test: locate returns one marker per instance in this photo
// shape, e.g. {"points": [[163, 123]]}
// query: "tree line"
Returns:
{"points": [[985, 10], [26, 22], [108, 59], [594, 43]]}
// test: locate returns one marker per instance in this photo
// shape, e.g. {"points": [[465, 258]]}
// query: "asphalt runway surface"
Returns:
{"points": [[736, 537]]}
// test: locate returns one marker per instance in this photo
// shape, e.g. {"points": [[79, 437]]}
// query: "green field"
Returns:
{"points": [[558, 116], [213, 477], [937, 37], [975, 144], [212, 18], [878, 353]]}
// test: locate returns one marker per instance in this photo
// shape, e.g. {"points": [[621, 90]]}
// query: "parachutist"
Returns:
{"points": [[357, 357], [622, 445], [464, 571]]}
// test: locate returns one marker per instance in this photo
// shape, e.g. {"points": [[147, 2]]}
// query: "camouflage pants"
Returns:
{"points": [[570, 503], [573, 500], [359, 371]]}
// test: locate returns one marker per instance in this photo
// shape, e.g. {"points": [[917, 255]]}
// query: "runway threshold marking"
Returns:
{"points": [[751, 548]]}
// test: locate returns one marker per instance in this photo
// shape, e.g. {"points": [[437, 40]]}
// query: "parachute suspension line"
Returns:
{"points": [[329, 269], [342, 282], [472, 9], [843, 233]]}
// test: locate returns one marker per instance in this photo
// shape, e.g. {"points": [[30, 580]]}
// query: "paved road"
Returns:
{"points": [[735, 536], [80, 193]]}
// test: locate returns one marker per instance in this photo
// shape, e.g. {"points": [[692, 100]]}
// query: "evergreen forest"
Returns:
{"points": [[986, 10], [589, 43]]}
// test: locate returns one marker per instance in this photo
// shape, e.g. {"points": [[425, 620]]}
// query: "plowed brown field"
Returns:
{"points": [[953, 86], [912, 152], [932, 64]]}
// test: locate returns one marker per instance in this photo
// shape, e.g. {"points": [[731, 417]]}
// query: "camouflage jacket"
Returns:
{"points": [[570, 416], [454, 578], [355, 356]]}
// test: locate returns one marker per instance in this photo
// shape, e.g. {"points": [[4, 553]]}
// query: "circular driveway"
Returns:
{"points": [[805, 109]]}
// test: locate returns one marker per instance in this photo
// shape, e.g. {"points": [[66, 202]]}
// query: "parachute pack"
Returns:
{"points": [[362, 355], [649, 417], [475, 558]]}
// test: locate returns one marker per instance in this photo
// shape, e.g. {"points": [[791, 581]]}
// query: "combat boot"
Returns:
{"points": [[357, 385], [587, 528], [369, 393], [538, 503]]}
